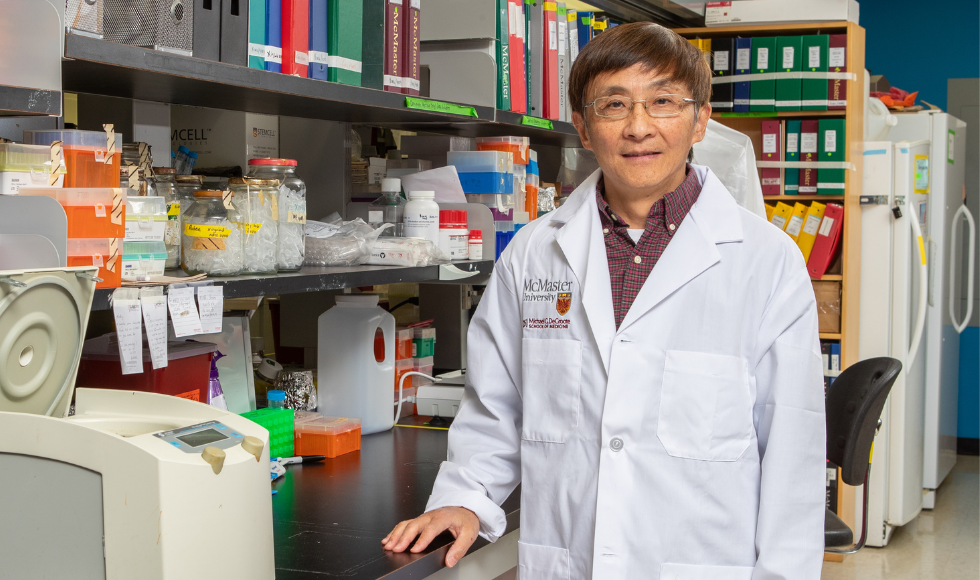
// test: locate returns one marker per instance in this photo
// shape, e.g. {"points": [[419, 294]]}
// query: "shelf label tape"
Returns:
{"points": [[440, 107], [537, 122]]}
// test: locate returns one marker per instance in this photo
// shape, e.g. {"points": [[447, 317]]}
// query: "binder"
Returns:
{"points": [[572, 37], [256, 34], [791, 176], [706, 50], [296, 37], [837, 62], [781, 214], [535, 46], [549, 91], [814, 91], [373, 43], [584, 26], [770, 152], [770, 211], [318, 40], [809, 147], [502, 46], [273, 35], [344, 24], [515, 38], [763, 93], [599, 23], [722, 65], [808, 234], [827, 241], [831, 148], [743, 66], [394, 46], [796, 220], [413, 48], [563, 67], [789, 51]]}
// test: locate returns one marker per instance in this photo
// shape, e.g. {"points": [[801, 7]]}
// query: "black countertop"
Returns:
{"points": [[329, 518]]}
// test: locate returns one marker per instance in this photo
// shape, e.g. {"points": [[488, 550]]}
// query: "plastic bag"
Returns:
{"points": [[389, 251], [344, 244], [731, 156]]}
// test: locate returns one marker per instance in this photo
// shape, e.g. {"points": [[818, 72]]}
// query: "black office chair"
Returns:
{"points": [[854, 404]]}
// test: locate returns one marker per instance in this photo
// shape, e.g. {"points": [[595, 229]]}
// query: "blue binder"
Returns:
{"points": [[273, 32], [584, 24], [742, 92], [318, 39]]}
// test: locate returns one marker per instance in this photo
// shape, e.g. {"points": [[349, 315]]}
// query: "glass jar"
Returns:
{"points": [[389, 208], [257, 202], [212, 236], [292, 208], [186, 186], [163, 184]]}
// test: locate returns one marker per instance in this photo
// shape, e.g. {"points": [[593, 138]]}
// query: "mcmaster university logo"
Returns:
{"points": [[563, 303]]}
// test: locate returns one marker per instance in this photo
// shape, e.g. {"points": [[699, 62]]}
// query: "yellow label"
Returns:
{"points": [[296, 217], [199, 231], [551, 6], [252, 228], [173, 209], [922, 251]]}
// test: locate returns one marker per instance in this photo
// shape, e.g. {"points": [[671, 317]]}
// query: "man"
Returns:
{"points": [[645, 360]]}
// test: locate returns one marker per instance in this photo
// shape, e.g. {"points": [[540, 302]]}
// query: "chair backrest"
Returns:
{"points": [[854, 404]]}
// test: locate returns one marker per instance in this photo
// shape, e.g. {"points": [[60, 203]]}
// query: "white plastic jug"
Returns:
{"points": [[350, 381]]}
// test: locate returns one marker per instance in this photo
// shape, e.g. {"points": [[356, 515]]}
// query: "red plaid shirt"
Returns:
{"points": [[631, 263]]}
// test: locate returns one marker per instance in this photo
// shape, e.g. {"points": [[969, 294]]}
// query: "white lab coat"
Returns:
{"points": [[689, 444]]}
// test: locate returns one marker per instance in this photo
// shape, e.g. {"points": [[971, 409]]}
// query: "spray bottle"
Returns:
{"points": [[216, 397]]}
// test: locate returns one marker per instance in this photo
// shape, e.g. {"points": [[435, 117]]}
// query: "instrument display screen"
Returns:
{"points": [[199, 438]]}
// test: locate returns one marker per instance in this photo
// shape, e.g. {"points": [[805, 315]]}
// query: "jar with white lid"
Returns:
{"points": [[422, 216]]}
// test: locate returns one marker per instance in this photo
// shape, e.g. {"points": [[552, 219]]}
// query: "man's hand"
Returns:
{"points": [[461, 523]]}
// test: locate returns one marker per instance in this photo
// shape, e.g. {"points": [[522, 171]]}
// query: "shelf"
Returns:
{"points": [[829, 336], [777, 114], [119, 70], [776, 29], [803, 197], [313, 279], [829, 278], [664, 12], [21, 102]]}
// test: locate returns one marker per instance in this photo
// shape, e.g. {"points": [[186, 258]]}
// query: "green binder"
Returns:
{"points": [[344, 20], [373, 44], [789, 58], [832, 142], [503, 57], [816, 48], [256, 34], [762, 94], [791, 152]]}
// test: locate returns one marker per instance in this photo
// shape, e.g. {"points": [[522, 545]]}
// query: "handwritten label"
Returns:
{"points": [[721, 60], [155, 320], [200, 231], [836, 59], [792, 142], [273, 54], [769, 143], [762, 62], [183, 312], [743, 58], [830, 141], [256, 50], [537, 122], [789, 52], [334, 61], [318, 57], [813, 57], [302, 58], [127, 314], [211, 301], [809, 143], [439, 107], [296, 217], [252, 228]]}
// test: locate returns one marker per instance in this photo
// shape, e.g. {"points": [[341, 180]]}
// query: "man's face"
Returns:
{"points": [[640, 152]]}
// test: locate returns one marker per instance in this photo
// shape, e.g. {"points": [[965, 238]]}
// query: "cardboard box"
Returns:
{"points": [[828, 298], [224, 138], [739, 12]]}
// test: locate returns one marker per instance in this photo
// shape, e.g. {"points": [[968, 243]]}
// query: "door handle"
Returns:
{"points": [[920, 317], [965, 214]]}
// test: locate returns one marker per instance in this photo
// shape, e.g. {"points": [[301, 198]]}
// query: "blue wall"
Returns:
{"points": [[968, 409], [918, 45]]}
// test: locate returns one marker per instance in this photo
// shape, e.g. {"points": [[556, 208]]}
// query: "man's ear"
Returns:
{"points": [[578, 121], [704, 114]]}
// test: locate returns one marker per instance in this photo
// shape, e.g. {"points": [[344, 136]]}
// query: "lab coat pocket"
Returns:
{"points": [[693, 572], [705, 406], [541, 562], [552, 371]]}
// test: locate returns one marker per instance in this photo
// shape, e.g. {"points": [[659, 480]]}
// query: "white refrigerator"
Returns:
{"points": [[949, 223], [893, 316]]}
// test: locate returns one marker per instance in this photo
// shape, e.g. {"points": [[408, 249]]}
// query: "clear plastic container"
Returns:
{"points": [[258, 205], [328, 436], [89, 210], [276, 398], [98, 252], [389, 208], [186, 186], [212, 240], [518, 146], [403, 343], [164, 185], [422, 365], [292, 208], [481, 161], [402, 367], [143, 260], [146, 218], [85, 156], [26, 166]]}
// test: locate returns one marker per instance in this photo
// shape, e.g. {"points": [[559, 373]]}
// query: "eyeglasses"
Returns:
{"points": [[658, 106]]}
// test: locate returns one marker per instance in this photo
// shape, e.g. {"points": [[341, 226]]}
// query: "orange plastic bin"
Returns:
{"points": [[98, 252], [327, 436], [86, 156], [89, 210]]}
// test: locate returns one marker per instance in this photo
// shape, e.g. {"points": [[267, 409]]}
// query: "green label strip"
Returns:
{"points": [[536, 122], [753, 114], [440, 107]]}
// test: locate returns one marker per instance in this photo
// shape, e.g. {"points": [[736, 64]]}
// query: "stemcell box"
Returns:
{"points": [[224, 138]]}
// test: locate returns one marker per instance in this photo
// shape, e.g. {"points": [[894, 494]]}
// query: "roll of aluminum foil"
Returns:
{"points": [[299, 388]]}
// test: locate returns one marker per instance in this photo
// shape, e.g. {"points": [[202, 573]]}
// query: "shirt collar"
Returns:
{"points": [[669, 210]]}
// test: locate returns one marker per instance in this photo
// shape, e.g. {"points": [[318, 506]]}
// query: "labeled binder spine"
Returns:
{"points": [[743, 65], [273, 36], [295, 37], [837, 62], [318, 40], [413, 62], [394, 46]]}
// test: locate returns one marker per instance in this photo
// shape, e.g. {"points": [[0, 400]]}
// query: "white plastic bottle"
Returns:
{"points": [[422, 216]]}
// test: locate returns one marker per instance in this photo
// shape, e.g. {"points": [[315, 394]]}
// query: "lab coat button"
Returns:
{"points": [[616, 444]]}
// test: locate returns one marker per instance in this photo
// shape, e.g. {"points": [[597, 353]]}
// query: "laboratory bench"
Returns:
{"points": [[329, 518]]}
